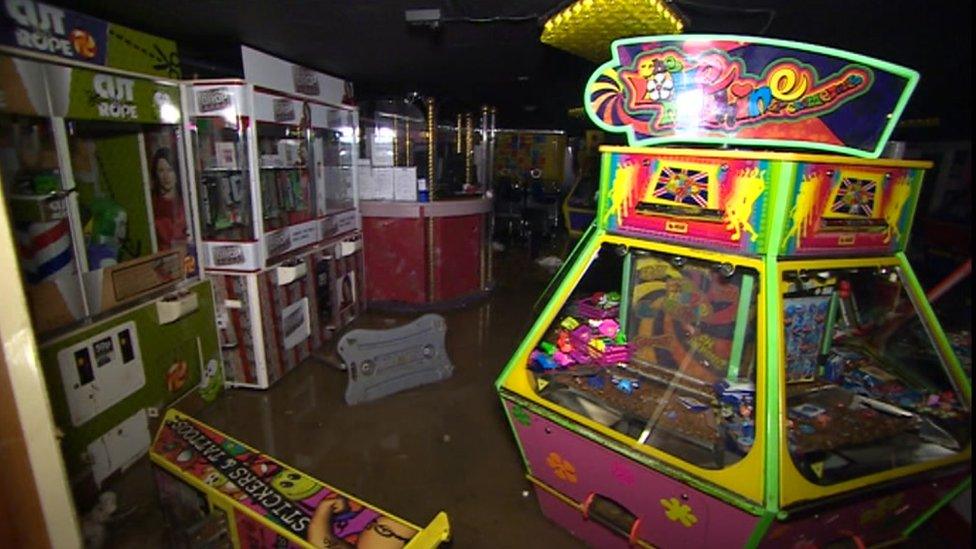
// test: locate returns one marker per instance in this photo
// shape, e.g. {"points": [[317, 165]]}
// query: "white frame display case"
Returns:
{"points": [[82, 187], [279, 221], [95, 182]]}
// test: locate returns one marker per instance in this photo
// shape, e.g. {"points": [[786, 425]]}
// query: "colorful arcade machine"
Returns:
{"points": [[94, 179], [218, 492], [738, 353], [275, 160]]}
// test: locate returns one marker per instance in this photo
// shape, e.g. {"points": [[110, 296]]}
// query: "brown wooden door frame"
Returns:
{"points": [[36, 507]]}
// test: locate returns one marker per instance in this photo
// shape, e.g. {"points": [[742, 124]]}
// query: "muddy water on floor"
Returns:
{"points": [[444, 446]]}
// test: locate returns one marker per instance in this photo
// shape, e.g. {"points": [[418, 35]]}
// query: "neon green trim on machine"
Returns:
{"points": [[625, 291], [741, 321], [539, 326], [951, 495], [934, 329], [909, 75], [765, 521], [518, 441], [570, 259], [780, 193], [606, 163], [910, 209], [831, 320]]}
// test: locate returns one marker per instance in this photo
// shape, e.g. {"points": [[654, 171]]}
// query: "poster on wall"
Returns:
{"points": [[165, 188]]}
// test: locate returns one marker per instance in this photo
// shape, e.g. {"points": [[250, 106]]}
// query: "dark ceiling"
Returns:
{"points": [[501, 62]]}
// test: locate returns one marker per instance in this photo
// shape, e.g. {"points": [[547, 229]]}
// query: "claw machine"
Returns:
{"points": [[738, 352], [275, 165], [95, 182]]}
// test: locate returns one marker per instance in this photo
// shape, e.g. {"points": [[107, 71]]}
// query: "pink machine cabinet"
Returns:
{"points": [[275, 160], [738, 353]]}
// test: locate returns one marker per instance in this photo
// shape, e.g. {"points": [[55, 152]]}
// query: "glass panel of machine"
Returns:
{"points": [[661, 348], [129, 189], [333, 147], [287, 195], [866, 388], [39, 212], [222, 167]]}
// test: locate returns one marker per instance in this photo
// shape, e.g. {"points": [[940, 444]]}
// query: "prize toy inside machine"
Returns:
{"points": [[277, 203], [94, 177], [739, 353]]}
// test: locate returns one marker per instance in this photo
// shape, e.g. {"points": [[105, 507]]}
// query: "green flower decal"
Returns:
{"points": [[677, 511], [521, 415]]}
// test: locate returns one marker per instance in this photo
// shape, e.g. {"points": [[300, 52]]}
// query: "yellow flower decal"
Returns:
{"points": [[677, 511], [561, 467]]}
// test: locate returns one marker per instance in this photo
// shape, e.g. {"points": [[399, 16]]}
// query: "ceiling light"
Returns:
{"points": [[587, 27]]}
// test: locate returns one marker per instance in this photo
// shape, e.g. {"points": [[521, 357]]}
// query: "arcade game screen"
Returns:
{"points": [[663, 349]]}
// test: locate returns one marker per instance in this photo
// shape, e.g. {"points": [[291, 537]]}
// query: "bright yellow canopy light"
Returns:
{"points": [[587, 27]]}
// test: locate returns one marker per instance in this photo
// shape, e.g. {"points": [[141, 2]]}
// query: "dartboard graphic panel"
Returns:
{"points": [[684, 184], [855, 195]]}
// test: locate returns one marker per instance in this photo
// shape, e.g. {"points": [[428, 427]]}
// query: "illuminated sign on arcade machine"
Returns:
{"points": [[738, 353], [94, 179]]}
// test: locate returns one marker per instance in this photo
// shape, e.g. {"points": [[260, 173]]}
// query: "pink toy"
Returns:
{"points": [[590, 308], [580, 357], [580, 337], [609, 327], [562, 359], [616, 353]]}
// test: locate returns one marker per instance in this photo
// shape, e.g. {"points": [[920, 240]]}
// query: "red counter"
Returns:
{"points": [[426, 254]]}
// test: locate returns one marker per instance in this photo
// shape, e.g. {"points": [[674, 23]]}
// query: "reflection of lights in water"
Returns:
{"points": [[688, 107]]}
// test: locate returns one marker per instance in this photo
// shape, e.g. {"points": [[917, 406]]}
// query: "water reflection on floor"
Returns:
{"points": [[445, 446]]}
